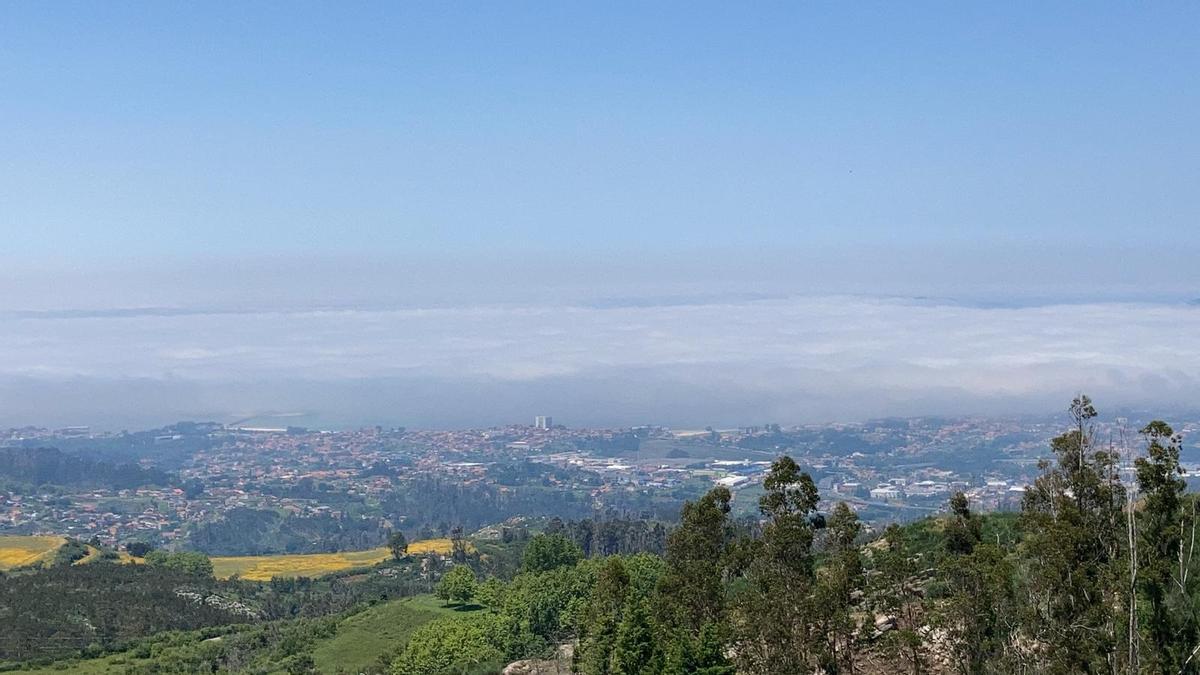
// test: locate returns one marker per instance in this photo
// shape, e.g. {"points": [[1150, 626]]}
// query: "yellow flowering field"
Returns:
{"points": [[424, 546], [264, 567], [16, 551]]}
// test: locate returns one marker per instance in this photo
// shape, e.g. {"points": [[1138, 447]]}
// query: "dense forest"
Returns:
{"points": [[612, 534], [245, 531], [438, 504]]}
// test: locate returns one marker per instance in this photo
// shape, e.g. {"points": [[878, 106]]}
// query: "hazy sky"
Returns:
{"points": [[160, 128], [286, 183]]}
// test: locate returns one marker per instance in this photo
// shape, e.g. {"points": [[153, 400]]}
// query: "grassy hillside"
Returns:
{"points": [[19, 551], [264, 567], [353, 645], [381, 630], [925, 535]]}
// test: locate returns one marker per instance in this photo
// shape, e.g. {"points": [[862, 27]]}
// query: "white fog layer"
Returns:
{"points": [[787, 360]]}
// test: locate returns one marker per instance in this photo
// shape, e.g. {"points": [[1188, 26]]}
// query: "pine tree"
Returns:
{"points": [[634, 651], [601, 618], [703, 655]]}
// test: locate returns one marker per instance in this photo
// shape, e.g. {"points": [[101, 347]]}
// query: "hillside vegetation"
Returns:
{"points": [[266, 567], [21, 551], [1095, 574], [363, 641]]}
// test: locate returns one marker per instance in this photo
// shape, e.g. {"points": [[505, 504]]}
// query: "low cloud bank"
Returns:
{"points": [[787, 360]]}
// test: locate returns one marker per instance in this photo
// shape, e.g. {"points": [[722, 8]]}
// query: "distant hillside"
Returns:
{"points": [[41, 466], [359, 642], [60, 610], [245, 531], [166, 446]]}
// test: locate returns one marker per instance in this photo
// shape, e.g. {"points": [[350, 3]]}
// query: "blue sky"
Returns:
{"points": [[449, 214], [135, 130]]}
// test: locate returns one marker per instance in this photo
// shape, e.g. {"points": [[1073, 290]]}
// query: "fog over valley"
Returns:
{"points": [[691, 361]]}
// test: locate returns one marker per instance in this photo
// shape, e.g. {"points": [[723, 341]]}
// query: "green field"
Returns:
{"points": [[383, 629], [361, 639]]}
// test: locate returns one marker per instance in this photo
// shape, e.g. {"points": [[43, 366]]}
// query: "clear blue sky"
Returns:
{"points": [[168, 129]]}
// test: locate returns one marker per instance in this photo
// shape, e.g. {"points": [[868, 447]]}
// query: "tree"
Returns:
{"points": [[457, 585], [138, 549], [978, 612], [963, 530], [899, 597], [1075, 576], [490, 593], [1163, 561], [453, 645], [840, 578], [706, 654], [635, 649], [190, 562], [691, 591], [548, 551], [773, 620], [398, 545], [458, 545], [602, 617]]}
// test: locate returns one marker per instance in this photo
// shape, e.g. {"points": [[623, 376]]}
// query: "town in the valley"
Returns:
{"points": [[359, 484]]}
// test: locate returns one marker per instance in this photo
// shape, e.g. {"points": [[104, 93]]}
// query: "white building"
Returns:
{"points": [[885, 493]]}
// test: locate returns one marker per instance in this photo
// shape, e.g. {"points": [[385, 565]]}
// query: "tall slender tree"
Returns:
{"points": [[774, 616], [837, 582], [691, 590], [1076, 568], [977, 613], [1168, 620], [601, 619], [898, 594], [635, 651]]}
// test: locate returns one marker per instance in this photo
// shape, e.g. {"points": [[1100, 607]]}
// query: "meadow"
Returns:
{"points": [[264, 567], [18, 551], [21, 550], [362, 638], [357, 644]]}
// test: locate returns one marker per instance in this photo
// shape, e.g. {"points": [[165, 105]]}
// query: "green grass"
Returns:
{"points": [[107, 664], [383, 629], [359, 642], [926, 536]]}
